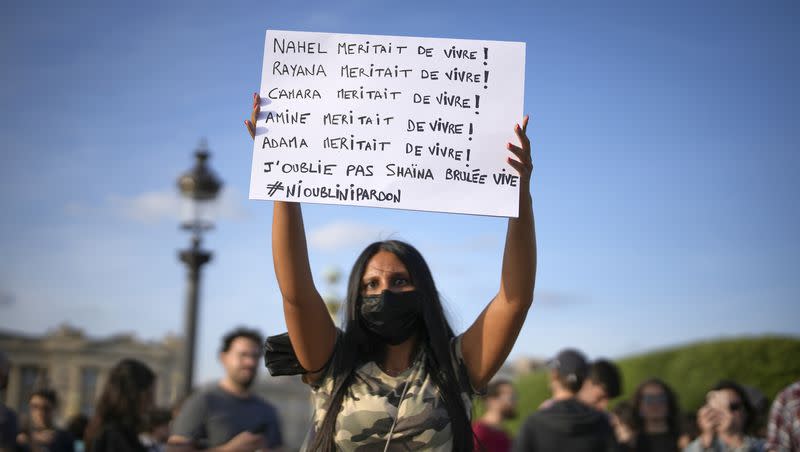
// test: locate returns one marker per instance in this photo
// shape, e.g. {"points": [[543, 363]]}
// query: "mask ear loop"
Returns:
{"points": [[394, 423]]}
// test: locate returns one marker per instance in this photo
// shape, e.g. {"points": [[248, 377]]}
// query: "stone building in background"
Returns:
{"points": [[76, 366]]}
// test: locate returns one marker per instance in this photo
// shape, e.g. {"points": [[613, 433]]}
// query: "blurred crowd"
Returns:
{"points": [[579, 415], [224, 416]]}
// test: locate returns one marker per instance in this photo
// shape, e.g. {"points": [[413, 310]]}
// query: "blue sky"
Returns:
{"points": [[666, 151]]}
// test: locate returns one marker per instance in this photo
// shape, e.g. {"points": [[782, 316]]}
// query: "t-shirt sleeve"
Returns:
{"points": [[327, 371], [461, 368], [190, 422]]}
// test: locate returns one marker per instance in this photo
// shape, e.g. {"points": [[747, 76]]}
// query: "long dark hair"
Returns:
{"points": [[357, 347], [120, 402], [673, 412]]}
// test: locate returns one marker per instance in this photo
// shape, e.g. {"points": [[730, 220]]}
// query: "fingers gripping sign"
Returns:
{"points": [[523, 163], [251, 123]]}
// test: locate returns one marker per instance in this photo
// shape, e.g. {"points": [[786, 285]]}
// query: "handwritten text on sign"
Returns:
{"points": [[389, 121]]}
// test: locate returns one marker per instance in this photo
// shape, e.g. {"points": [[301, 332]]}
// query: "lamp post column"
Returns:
{"points": [[194, 258]]}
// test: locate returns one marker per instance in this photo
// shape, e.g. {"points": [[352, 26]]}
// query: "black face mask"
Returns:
{"points": [[392, 316]]}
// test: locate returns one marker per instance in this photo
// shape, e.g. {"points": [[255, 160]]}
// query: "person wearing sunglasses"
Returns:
{"points": [[656, 417], [725, 420]]}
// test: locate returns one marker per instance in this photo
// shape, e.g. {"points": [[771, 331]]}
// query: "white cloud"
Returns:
{"points": [[149, 207], [343, 234], [164, 205]]}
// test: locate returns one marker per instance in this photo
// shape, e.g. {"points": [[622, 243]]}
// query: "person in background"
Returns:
{"points": [[501, 405], [603, 384], [41, 434], [724, 421], [155, 433], [783, 428], [656, 417], [8, 419], [760, 403], [622, 422], [126, 397], [76, 426], [566, 424], [689, 430], [228, 415]]}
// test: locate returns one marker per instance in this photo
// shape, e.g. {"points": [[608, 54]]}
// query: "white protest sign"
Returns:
{"points": [[389, 121]]}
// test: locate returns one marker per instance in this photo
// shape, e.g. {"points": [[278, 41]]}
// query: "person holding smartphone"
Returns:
{"points": [[725, 420]]}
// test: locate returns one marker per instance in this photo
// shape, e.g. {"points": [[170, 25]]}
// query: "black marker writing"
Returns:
{"points": [[435, 126], [372, 71], [284, 143], [325, 169], [351, 193], [458, 75], [342, 119], [284, 46], [291, 94], [410, 172], [453, 100], [286, 117], [474, 177], [502, 178], [355, 48], [465, 54], [295, 70], [360, 170], [352, 144], [361, 93]]}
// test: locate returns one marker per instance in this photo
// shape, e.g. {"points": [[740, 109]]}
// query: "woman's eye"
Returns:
{"points": [[400, 282]]}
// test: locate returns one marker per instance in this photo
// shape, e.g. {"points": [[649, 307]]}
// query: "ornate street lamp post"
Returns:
{"points": [[200, 187]]}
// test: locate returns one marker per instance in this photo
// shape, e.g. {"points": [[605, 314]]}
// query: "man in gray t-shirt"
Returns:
{"points": [[227, 415]]}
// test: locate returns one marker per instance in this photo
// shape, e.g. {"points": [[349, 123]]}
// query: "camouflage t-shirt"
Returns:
{"points": [[373, 401]]}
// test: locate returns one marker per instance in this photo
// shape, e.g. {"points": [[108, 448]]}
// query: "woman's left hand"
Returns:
{"points": [[251, 123], [523, 164]]}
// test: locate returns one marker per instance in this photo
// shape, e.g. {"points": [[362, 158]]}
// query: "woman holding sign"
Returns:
{"points": [[397, 375]]}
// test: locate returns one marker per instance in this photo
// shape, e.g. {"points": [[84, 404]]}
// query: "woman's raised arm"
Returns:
{"points": [[311, 329], [487, 343]]}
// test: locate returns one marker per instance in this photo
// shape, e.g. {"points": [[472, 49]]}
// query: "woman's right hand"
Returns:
{"points": [[707, 420], [251, 123]]}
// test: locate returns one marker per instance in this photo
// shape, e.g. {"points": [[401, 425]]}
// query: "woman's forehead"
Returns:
{"points": [[731, 395], [384, 263]]}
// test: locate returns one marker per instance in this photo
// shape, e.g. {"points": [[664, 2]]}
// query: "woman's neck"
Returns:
{"points": [[492, 418], [399, 357], [732, 439], [656, 426]]}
